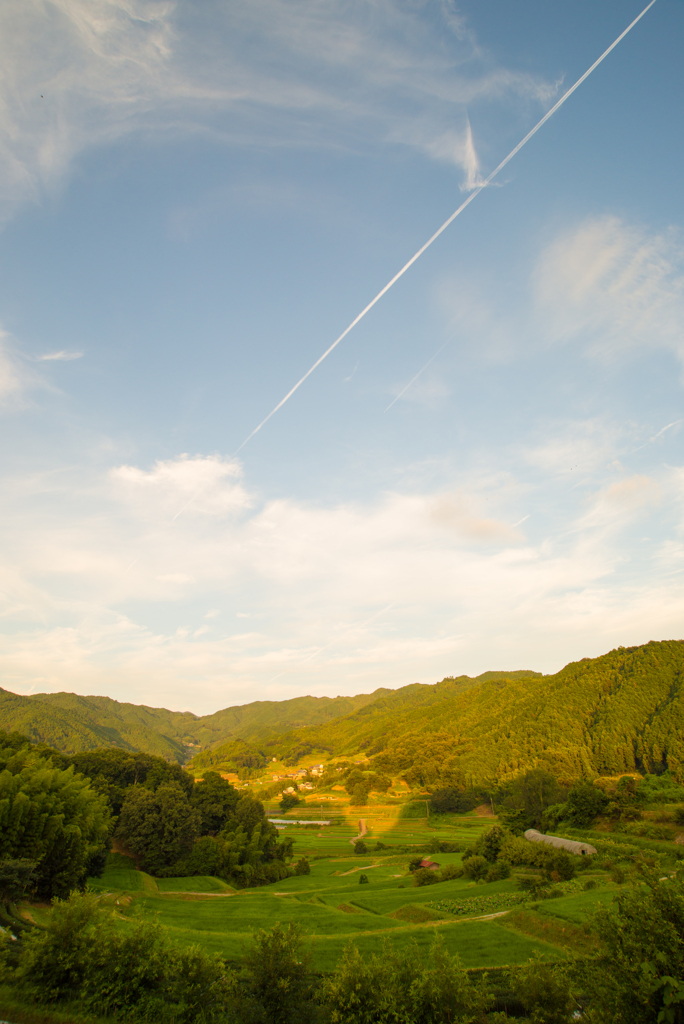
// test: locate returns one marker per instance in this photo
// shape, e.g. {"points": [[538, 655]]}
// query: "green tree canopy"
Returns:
{"points": [[215, 799], [53, 817], [158, 827]]}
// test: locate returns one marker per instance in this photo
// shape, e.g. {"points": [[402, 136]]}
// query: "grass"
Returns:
{"points": [[196, 883], [25, 1012], [335, 909]]}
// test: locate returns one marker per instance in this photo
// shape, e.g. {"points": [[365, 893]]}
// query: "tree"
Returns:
{"points": [[289, 801], [158, 827], [638, 977], [397, 985], [276, 966], [359, 797], [135, 974], [451, 800], [302, 867], [526, 797], [52, 817], [491, 842], [424, 876], [216, 800], [15, 877], [360, 847], [584, 803]]}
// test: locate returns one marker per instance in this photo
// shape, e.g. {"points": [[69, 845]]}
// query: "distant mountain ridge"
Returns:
{"points": [[620, 712], [74, 724]]}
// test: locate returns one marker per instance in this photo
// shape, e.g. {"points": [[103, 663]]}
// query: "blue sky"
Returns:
{"points": [[196, 199]]}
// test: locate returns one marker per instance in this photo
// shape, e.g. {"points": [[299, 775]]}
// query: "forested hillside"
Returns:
{"points": [[617, 713], [69, 722], [620, 712]]}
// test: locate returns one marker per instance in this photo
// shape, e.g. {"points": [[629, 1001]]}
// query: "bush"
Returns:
{"points": [[584, 804], [491, 843], [589, 884], [363, 879], [424, 876], [360, 847], [450, 872], [72, 960], [302, 867], [415, 863], [476, 867], [276, 986], [397, 985], [560, 865], [498, 871], [359, 795], [545, 992], [289, 801]]}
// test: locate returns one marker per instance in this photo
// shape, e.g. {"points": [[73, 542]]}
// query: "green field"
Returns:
{"points": [[335, 909]]}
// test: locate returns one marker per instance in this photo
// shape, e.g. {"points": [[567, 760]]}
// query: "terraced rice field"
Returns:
{"points": [[335, 908]]}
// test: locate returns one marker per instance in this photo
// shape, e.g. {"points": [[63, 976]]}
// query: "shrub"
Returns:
{"points": [[289, 801], [363, 879], [72, 959], [545, 992], [397, 985], [585, 802], [451, 871], [276, 981], [424, 876], [589, 884], [476, 867], [415, 863], [359, 795], [560, 866], [302, 867], [491, 843], [360, 847], [498, 871]]}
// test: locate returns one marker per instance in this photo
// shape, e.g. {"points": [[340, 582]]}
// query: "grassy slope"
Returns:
{"points": [[335, 908]]}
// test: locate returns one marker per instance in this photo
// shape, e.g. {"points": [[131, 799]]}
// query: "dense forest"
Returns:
{"points": [[59, 815], [617, 713], [69, 722]]}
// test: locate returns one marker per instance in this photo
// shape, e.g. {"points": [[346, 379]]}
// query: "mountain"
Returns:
{"points": [[74, 724], [621, 712]]}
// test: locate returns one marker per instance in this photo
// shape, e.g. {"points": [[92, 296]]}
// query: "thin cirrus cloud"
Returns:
{"points": [[81, 73], [58, 357], [615, 285]]}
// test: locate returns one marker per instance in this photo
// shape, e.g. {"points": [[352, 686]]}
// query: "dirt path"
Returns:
{"points": [[364, 867], [362, 831]]}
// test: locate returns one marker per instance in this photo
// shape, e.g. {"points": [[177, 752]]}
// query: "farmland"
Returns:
{"points": [[335, 908]]}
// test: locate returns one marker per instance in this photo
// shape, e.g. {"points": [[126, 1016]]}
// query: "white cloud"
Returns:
{"points": [[80, 73], [350, 596], [612, 287], [61, 356], [210, 485]]}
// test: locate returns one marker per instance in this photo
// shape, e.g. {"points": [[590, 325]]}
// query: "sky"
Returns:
{"points": [[196, 199]]}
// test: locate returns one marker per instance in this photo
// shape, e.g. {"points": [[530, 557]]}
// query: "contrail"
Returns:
{"points": [[414, 379], [445, 225], [655, 436]]}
